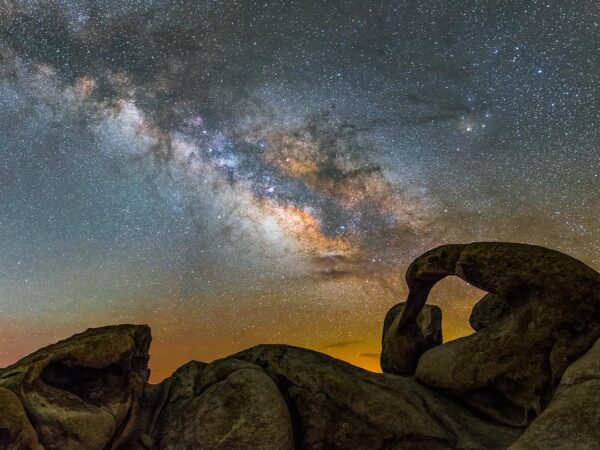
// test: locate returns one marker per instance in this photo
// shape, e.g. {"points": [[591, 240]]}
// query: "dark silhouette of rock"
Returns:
{"points": [[530, 356], [335, 405], [511, 367], [570, 422], [229, 404], [83, 392], [281, 397], [15, 429], [179, 386], [400, 353], [487, 311]]}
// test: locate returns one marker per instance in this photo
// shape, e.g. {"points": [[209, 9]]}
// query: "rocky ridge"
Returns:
{"points": [[527, 378]]}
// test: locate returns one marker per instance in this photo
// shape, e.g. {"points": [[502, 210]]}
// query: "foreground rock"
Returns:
{"points": [[400, 352], [15, 429], [571, 421], [487, 311], [336, 405], [281, 397], [81, 393], [545, 315], [228, 404]]}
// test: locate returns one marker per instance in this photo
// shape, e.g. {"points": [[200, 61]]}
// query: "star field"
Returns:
{"points": [[243, 172]]}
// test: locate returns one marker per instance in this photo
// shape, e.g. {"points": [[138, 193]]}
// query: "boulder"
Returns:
{"points": [[16, 432], [83, 392], [179, 386], [509, 369], [570, 422], [335, 405], [487, 311], [400, 351], [229, 404]]}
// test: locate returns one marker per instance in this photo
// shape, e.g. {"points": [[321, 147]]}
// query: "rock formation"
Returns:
{"points": [[81, 393], [571, 420], [230, 403], [487, 311], [528, 378], [401, 352], [511, 367]]}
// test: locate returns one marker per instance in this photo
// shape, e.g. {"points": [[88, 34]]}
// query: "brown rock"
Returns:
{"points": [[570, 422], [16, 432], [335, 405], [541, 316], [487, 311], [400, 351], [230, 404], [83, 392], [510, 369], [146, 440]]}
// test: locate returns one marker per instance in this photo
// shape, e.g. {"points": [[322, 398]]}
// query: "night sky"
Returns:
{"points": [[243, 172]]}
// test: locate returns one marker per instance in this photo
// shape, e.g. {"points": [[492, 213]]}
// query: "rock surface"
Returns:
{"points": [[511, 367], [15, 430], [531, 358], [487, 311], [84, 392], [335, 405], [400, 352], [230, 404], [571, 420]]}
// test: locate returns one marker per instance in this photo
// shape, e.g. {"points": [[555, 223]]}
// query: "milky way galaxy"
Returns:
{"points": [[241, 172]]}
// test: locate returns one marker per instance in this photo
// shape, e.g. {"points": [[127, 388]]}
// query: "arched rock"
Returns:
{"points": [[511, 367]]}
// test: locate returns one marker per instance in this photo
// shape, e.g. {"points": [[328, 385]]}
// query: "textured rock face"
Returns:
{"points": [[335, 405], [15, 430], [571, 420], [281, 397], [487, 311], [511, 367], [400, 352], [180, 386], [228, 404], [81, 393]]}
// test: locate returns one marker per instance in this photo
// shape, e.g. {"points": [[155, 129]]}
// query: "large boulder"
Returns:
{"points": [[335, 405], [487, 311], [512, 366], [16, 432], [229, 404], [182, 385], [571, 420], [83, 393], [401, 352]]}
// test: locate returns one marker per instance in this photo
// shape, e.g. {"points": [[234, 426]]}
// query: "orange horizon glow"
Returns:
{"points": [[358, 341]]}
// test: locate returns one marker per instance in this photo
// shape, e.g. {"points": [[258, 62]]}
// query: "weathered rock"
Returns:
{"points": [[182, 385], [335, 405], [146, 441], [510, 368], [83, 392], [571, 420], [400, 352], [16, 432], [185, 382], [487, 311], [229, 404]]}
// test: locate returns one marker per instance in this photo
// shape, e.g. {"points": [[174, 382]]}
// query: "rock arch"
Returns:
{"points": [[510, 368]]}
